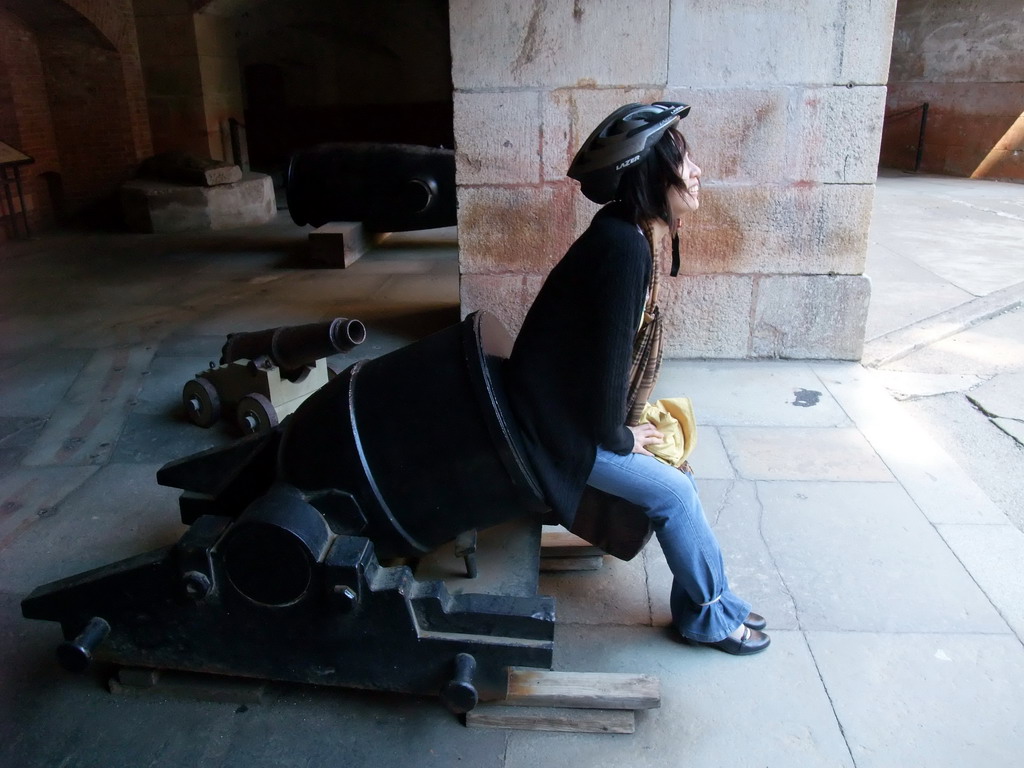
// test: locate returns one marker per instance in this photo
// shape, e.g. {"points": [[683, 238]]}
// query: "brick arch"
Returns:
{"points": [[82, 109], [65, 18], [224, 7]]}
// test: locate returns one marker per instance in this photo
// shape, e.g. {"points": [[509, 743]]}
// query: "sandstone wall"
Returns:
{"points": [[787, 103]]}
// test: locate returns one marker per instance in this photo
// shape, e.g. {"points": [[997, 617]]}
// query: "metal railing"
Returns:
{"points": [[923, 109]]}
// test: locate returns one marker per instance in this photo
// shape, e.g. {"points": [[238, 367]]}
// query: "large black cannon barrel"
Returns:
{"points": [[387, 187], [293, 346], [422, 438]]}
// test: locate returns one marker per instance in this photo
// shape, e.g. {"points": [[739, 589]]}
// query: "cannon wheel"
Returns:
{"points": [[201, 401], [255, 414]]}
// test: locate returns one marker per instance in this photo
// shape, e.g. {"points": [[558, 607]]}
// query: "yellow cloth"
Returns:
{"points": [[673, 416]]}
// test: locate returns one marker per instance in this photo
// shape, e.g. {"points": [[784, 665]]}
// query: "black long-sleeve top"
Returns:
{"points": [[568, 374]]}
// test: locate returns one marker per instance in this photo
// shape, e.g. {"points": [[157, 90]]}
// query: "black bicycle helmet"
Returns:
{"points": [[621, 140]]}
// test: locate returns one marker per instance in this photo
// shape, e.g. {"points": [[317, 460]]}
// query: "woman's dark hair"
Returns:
{"points": [[644, 187]]}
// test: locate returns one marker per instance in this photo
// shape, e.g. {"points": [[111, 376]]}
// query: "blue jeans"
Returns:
{"points": [[703, 607]]}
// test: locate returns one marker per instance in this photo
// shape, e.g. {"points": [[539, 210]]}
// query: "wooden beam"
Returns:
{"points": [[584, 690], [565, 544], [552, 719], [549, 564], [341, 243]]}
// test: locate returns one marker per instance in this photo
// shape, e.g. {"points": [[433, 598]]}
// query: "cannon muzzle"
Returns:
{"points": [[387, 187], [292, 347]]}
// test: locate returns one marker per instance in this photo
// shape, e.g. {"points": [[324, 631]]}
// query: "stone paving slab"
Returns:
{"points": [[861, 557], [751, 393], [318, 290], [940, 700], [404, 262], [1002, 395], [250, 316], [717, 711], [143, 289], [116, 513], [750, 565], [616, 593], [180, 344], [85, 426], [433, 289], [433, 239], [163, 380], [35, 384], [17, 435], [902, 291], [892, 347], [1012, 427], [896, 305], [796, 453], [158, 438], [936, 483], [71, 720], [993, 554], [735, 514], [634, 592], [26, 334], [29, 494], [709, 458], [908, 385], [994, 345], [125, 326], [981, 213]]}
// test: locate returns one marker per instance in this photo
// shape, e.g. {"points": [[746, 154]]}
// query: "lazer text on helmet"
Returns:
{"points": [[626, 162]]}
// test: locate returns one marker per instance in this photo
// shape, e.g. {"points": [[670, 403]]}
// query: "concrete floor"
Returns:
{"points": [[890, 580]]}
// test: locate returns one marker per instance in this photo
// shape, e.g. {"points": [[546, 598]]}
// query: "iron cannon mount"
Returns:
{"points": [[288, 568]]}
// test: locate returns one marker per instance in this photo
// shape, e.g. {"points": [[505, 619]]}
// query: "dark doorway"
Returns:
{"points": [[319, 71]]}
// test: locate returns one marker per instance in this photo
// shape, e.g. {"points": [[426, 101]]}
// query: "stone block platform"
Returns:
{"points": [[165, 207]]}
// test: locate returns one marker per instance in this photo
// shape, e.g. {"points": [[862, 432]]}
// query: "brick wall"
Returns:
{"points": [[170, 64], [25, 115], [76, 103], [787, 134], [91, 121], [965, 60]]}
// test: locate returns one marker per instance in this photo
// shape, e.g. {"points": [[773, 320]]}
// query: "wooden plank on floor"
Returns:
{"points": [[558, 564], [566, 544], [552, 719], [585, 690]]}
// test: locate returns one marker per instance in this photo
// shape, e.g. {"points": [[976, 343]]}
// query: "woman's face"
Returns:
{"points": [[681, 201]]}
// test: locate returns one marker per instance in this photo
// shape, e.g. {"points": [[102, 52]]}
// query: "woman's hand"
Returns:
{"points": [[643, 435]]}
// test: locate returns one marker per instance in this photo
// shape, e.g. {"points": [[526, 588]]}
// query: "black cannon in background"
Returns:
{"points": [[265, 375], [387, 187]]}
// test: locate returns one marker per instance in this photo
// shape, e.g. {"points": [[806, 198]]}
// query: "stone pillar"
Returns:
{"points": [[193, 82], [787, 136], [221, 80], [170, 63]]}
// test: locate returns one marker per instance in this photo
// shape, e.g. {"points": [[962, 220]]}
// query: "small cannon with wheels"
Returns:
{"points": [[265, 375], [287, 570]]}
